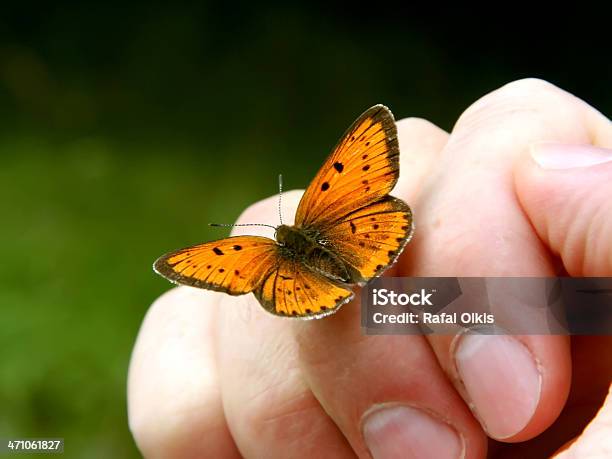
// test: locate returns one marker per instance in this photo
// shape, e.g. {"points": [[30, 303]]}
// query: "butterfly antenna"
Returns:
{"points": [[280, 215], [280, 196], [241, 224]]}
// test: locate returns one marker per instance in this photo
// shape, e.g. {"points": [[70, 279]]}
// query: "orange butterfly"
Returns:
{"points": [[347, 231]]}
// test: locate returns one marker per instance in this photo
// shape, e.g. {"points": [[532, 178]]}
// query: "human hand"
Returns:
{"points": [[216, 376]]}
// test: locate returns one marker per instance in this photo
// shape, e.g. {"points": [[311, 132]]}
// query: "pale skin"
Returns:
{"points": [[217, 376]]}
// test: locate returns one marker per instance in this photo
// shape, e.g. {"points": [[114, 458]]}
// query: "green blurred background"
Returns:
{"points": [[124, 130]]}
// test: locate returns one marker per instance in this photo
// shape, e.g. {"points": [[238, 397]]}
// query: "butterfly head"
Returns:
{"points": [[283, 234], [294, 237]]}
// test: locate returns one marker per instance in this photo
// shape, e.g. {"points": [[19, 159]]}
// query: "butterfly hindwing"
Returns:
{"points": [[371, 238], [235, 265], [362, 169], [292, 289]]}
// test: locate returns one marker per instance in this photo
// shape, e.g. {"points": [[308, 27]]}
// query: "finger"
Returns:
{"points": [[472, 225], [574, 221], [565, 191], [387, 394], [420, 144], [174, 403], [270, 408]]}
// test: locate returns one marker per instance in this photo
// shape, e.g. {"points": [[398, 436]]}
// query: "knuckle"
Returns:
{"points": [[266, 210], [527, 95], [528, 87], [420, 135], [416, 124]]}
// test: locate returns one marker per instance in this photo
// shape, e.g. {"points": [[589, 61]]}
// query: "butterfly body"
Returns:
{"points": [[347, 230], [309, 248]]}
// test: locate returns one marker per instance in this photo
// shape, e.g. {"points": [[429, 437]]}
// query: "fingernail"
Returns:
{"points": [[565, 156], [502, 381], [407, 432]]}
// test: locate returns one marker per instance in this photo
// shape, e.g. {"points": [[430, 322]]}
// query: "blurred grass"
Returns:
{"points": [[83, 223], [126, 129]]}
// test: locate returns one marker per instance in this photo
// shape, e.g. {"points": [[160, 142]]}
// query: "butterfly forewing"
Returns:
{"points": [[234, 265], [362, 169], [348, 204]]}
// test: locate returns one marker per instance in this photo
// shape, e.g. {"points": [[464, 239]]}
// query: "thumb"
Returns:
{"points": [[566, 191]]}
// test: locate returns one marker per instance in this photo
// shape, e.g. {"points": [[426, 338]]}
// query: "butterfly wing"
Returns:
{"points": [[347, 205], [371, 239], [235, 265], [292, 289], [362, 169]]}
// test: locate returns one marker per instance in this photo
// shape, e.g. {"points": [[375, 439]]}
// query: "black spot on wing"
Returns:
{"points": [[339, 166], [218, 251]]}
